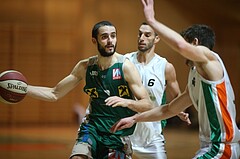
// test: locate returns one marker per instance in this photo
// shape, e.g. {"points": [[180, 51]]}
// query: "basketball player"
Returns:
{"points": [[106, 74], [159, 77], [209, 90]]}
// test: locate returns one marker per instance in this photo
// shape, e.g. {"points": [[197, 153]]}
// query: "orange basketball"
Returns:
{"points": [[13, 87]]}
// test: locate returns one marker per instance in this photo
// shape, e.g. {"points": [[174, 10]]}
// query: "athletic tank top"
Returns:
{"points": [[101, 84], [153, 78], [214, 101]]}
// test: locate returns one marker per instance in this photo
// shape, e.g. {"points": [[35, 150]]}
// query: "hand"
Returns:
{"points": [[148, 10], [123, 124], [184, 117], [116, 101]]}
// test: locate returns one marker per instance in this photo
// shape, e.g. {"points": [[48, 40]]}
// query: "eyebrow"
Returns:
{"points": [[144, 31], [108, 33]]}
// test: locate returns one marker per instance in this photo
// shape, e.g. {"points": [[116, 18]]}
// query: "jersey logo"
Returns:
{"points": [[116, 73], [92, 92], [94, 73], [123, 91], [193, 81]]}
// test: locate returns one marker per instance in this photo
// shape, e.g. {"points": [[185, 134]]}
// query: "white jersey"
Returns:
{"points": [[153, 78], [214, 101]]}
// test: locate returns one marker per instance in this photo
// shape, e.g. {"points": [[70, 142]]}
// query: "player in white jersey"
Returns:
{"points": [[214, 100], [209, 90], [159, 78]]}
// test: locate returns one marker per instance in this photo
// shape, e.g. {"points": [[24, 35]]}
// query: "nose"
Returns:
{"points": [[141, 37], [109, 39]]}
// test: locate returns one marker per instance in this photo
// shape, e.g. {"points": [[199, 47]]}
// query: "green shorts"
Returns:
{"points": [[96, 145]]}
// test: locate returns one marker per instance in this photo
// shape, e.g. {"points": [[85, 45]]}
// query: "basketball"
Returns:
{"points": [[13, 87]]}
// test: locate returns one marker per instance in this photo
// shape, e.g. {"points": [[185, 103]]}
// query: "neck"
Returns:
{"points": [[106, 62], [145, 57]]}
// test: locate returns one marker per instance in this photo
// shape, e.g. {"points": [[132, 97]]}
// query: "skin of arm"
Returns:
{"points": [[169, 36], [206, 63], [62, 88], [173, 90], [158, 113], [143, 102]]}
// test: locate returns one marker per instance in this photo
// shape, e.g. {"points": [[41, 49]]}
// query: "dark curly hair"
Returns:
{"points": [[203, 33]]}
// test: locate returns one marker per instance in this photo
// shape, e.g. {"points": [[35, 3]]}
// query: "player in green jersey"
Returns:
{"points": [[106, 74]]}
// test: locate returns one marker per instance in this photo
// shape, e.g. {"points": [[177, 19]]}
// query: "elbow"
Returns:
{"points": [[53, 99]]}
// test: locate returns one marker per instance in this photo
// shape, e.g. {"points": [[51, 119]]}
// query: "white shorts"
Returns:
{"points": [[155, 150], [219, 150]]}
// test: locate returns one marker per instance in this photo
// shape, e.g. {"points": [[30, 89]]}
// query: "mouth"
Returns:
{"points": [[141, 44], [110, 47]]}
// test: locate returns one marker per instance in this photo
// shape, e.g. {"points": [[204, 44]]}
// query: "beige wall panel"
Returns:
{"points": [[48, 37]]}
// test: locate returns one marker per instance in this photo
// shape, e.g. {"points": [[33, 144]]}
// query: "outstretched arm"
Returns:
{"points": [[62, 88], [158, 113]]}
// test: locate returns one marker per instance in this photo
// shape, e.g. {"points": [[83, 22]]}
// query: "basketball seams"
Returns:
{"points": [[14, 76], [8, 96], [13, 87]]}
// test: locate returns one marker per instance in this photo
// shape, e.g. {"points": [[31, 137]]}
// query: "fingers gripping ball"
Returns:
{"points": [[13, 87]]}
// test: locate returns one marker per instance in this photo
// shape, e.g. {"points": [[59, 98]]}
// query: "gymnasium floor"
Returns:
{"points": [[47, 142]]}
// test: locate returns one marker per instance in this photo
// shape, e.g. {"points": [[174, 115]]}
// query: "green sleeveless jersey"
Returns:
{"points": [[101, 84]]}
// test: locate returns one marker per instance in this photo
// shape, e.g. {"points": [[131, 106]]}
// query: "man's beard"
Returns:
{"points": [[104, 53]]}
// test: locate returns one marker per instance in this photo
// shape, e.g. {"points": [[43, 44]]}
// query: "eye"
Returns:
{"points": [[104, 37], [148, 34], [113, 35]]}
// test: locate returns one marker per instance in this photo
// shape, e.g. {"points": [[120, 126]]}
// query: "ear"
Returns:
{"points": [[157, 39], [94, 41], [195, 41]]}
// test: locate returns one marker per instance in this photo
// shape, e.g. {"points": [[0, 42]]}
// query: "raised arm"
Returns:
{"points": [[62, 88], [174, 39]]}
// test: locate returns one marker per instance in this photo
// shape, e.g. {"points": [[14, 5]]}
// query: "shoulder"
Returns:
{"points": [[130, 55], [80, 68], [90, 61], [87, 62], [169, 67], [159, 62], [170, 72], [160, 58], [127, 64]]}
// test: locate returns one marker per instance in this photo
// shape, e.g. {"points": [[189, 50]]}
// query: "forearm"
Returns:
{"points": [[140, 105], [169, 36], [155, 114], [42, 93], [176, 106]]}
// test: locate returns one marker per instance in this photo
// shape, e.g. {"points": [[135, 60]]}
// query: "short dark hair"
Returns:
{"points": [[145, 23], [98, 25], [203, 33]]}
